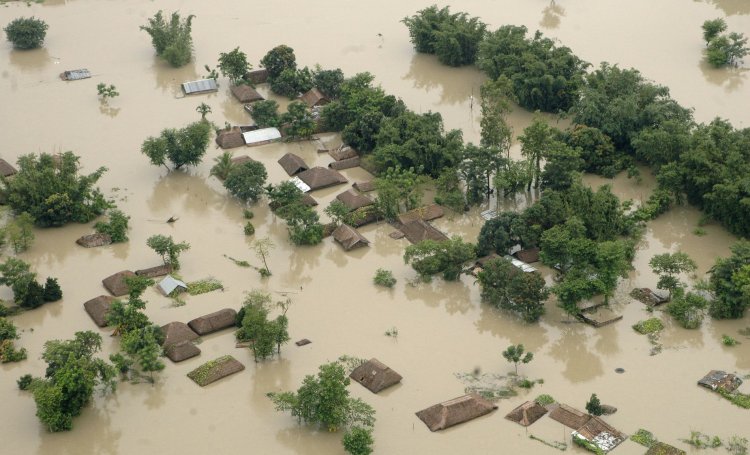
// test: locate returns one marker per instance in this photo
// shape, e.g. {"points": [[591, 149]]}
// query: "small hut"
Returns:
{"points": [[6, 169], [215, 369], [177, 352], [349, 238], [231, 138], [343, 153], [115, 284], [214, 322], [240, 160], [716, 379], [365, 215], [375, 376], [309, 200], [98, 308], [177, 332], [153, 272], [661, 448], [527, 413], [418, 230], [568, 416], [293, 164], [94, 240], [261, 136], [320, 177], [529, 255], [314, 97], [245, 93], [354, 200], [258, 76], [455, 411], [200, 86], [650, 297], [171, 285], [426, 213], [75, 75], [364, 187], [599, 433], [345, 164]]}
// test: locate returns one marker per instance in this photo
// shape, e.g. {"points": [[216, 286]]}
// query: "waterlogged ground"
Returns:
{"points": [[443, 328]]}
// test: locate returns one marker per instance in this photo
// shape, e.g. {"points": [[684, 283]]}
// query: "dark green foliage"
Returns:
{"points": [[171, 40], [26, 32], [298, 121], [165, 247], [303, 224], [596, 150], [329, 82], [234, 65], [8, 334], [730, 282], [594, 406], [8, 330], [506, 230], [54, 194], [384, 278], [265, 113], [182, 147], [727, 49], [24, 382], [454, 38], [648, 326], [246, 181], [476, 166], [338, 212], [106, 91], [398, 190], [116, 227], [449, 192], [264, 334], [661, 144], [358, 441], [52, 291], [223, 165], [249, 229], [430, 257], [712, 28], [278, 59], [507, 287], [20, 232], [33, 295], [140, 352], [285, 194], [563, 167], [515, 355], [668, 266], [292, 82], [128, 316], [687, 309]]}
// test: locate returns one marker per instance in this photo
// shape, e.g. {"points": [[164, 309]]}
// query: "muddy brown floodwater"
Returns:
{"points": [[443, 328]]}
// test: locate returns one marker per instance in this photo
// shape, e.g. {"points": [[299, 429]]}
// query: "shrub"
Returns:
{"points": [[26, 32], [726, 340], [648, 326], [8, 352], [172, 40], [248, 214], [384, 278], [116, 227], [358, 441], [249, 228], [24, 382], [545, 399], [594, 406], [52, 291]]}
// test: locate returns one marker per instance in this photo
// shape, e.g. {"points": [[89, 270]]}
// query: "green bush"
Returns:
{"points": [[545, 399], [648, 326], [52, 291], [116, 227], [248, 214], [726, 340], [644, 438], [249, 228], [171, 40], [384, 278], [26, 32], [24, 382]]}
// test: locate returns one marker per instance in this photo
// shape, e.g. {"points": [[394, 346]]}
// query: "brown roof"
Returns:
{"points": [[527, 413], [313, 97], [375, 376], [660, 448], [364, 215], [529, 255], [485, 259], [98, 308], [418, 230], [115, 284], [426, 213], [258, 76], [153, 272], [245, 93], [320, 177], [213, 322], [568, 416], [354, 200], [596, 426], [176, 332], [309, 200], [345, 164], [719, 379], [6, 169], [342, 153], [94, 240], [215, 369], [229, 139], [177, 352], [349, 238], [455, 411], [240, 160], [364, 187], [293, 164]]}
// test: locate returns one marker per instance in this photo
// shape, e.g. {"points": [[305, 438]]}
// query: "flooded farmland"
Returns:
{"points": [[443, 328]]}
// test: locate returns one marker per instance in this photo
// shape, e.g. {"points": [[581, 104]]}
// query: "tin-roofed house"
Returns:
{"points": [[261, 136], [200, 86], [171, 285]]}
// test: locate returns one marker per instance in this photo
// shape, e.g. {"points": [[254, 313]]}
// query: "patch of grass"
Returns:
{"points": [[350, 363], [554, 444], [238, 262], [203, 286], [699, 231], [384, 278], [738, 399], [737, 445], [726, 340], [545, 399], [644, 438], [490, 386], [702, 441], [526, 383], [177, 302], [248, 214], [648, 326], [200, 374]]}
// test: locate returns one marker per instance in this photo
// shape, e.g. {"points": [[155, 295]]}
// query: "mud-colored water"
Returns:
{"points": [[443, 328]]}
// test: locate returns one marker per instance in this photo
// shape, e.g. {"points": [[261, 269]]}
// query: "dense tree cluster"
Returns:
{"points": [[26, 32], [116, 227], [28, 293], [430, 257], [730, 282], [8, 334], [264, 335], [723, 49], [182, 147], [302, 221], [171, 39], [507, 287], [245, 181]]}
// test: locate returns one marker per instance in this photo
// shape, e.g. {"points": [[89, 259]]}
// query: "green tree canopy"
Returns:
{"points": [[730, 282], [712, 28], [668, 266], [298, 121], [515, 355], [246, 181], [26, 32], [182, 147], [507, 287], [454, 38], [430, 257], [234, 65], [265, 113], [166, 247], [171, 40], [278, 59]]}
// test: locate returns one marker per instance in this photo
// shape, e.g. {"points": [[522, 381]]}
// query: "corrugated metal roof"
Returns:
{"points": [[200, 86], [169, 284], [261, 135], [304, 187], [74, 75], [520, 264]]}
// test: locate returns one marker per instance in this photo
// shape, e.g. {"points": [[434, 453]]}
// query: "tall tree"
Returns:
{"points": [[430, 257], [166, 247], [234, 65], [246, 181], [668, 266], [515, 354], [278, 59], [172, 40], [536, 141], [182, 147]]}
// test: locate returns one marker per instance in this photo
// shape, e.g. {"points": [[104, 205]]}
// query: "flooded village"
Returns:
{"points": [[414, 300]]}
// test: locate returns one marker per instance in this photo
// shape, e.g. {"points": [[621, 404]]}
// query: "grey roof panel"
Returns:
{"points": [[200, 86]]}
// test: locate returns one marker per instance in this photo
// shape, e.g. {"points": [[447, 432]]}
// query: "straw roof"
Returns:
{"points": [[229, 139], [94, 240], [342, 153], [455, 411], [309, 200], [529, 255], [320, 177], [354, 200], [568, 416], [345, 164], [176, 332], [375, 376], [314, 97], [245, 93], [98, 308], [6, 169], [153, 272], [293, 164], [215, 369], [213, 322], [719, 379], [115, 284], [349, 238], [660, 448], [364, 215], [426, 213], [258, 76], [177, 352], [418, 230], [527, 413], [364, 187]]}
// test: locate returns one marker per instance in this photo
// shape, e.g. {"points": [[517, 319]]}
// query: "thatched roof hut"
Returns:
{"points": [[258, 76], [98, 308], [115, 284], [426, 213], [418, 230], [213, 322], [343, 153], [375, 376], [215, 369], [320, 177], [245, 93], [229, 139], [314, 97], [529, 255], [94, 240], [293, 164], [364, 187], [365, 215], [177, 352], [716, 379], [527, 413], [176, 332], [349, 238], [354, 200], [661, 448], [455, 411], [153, 272], [309, 200], [345, 164], [240, 160], [6, 169], [568, 416]]}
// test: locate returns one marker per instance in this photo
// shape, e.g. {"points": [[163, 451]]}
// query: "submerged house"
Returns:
{"points": [[258, 76], [153, 272], [587, 427], [426, 213], [661, 448], [115, 284], [261, 136], [170, 284], [314, 97], [177, 332], [94, 240], [364, 187], [343, 153], [375, 376], [418, 230], [75, 75], [345, 164], [354, 200], [200, 86], [177, 352], [245, 93], [716, 379], [231, 138], [320, 177], [527, 413], [98, 308], [213, 322], [293, 164], [458, 410], [215, 369], [6, 169], [349, 238]]}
